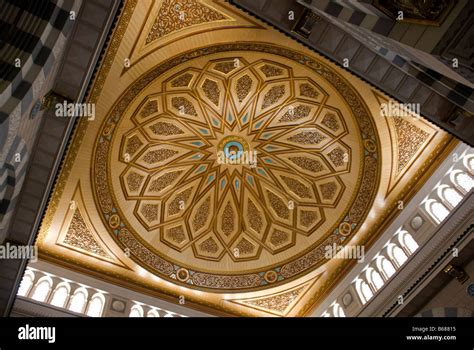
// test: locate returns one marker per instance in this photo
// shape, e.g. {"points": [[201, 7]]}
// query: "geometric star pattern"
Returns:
{"points": [[307, 170], [181, 189]]}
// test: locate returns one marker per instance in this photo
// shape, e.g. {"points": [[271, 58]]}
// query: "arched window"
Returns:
{"points": [[363, 290], [385, 266], [26, 283], [60, 295], [136, 311], [406, 241], [388, 268], [449, 195], [168, 314], [42, 289], [439, 211], [374, 278], [325, 314], [397, 254], [436, 210], [96, 305], [462, 181], [153, 313], [338, 311], [469, 163], [78, 301]]}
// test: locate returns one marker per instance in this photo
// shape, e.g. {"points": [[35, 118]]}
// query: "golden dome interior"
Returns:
{"points": [[145, 199]]}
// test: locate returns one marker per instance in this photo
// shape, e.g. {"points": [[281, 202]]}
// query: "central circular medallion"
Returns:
{"points": [[234, 149], [235, 176]]}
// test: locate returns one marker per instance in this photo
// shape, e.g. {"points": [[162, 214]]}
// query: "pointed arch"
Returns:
{"points": [[61, 294], [96, 305], [436, 210], [78, 301], [42, 289], [337, 310], [26, 283], [462, 181], [385, 266], [363, 290], [153, 313], [397, 255], [449, 196], [407, 242], [374, 278], [136, 311]]}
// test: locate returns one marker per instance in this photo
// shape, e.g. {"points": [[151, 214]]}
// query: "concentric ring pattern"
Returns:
{"points": [[187, 214]]}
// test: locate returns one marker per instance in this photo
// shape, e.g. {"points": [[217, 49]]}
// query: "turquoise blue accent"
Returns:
{"points": [[233, 156], [203, 131], [200, 169], [223, 182], [250, 180]]}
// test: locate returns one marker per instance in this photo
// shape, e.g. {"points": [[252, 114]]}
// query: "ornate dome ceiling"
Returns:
{"points": [[193, 217], [223, 160]]}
